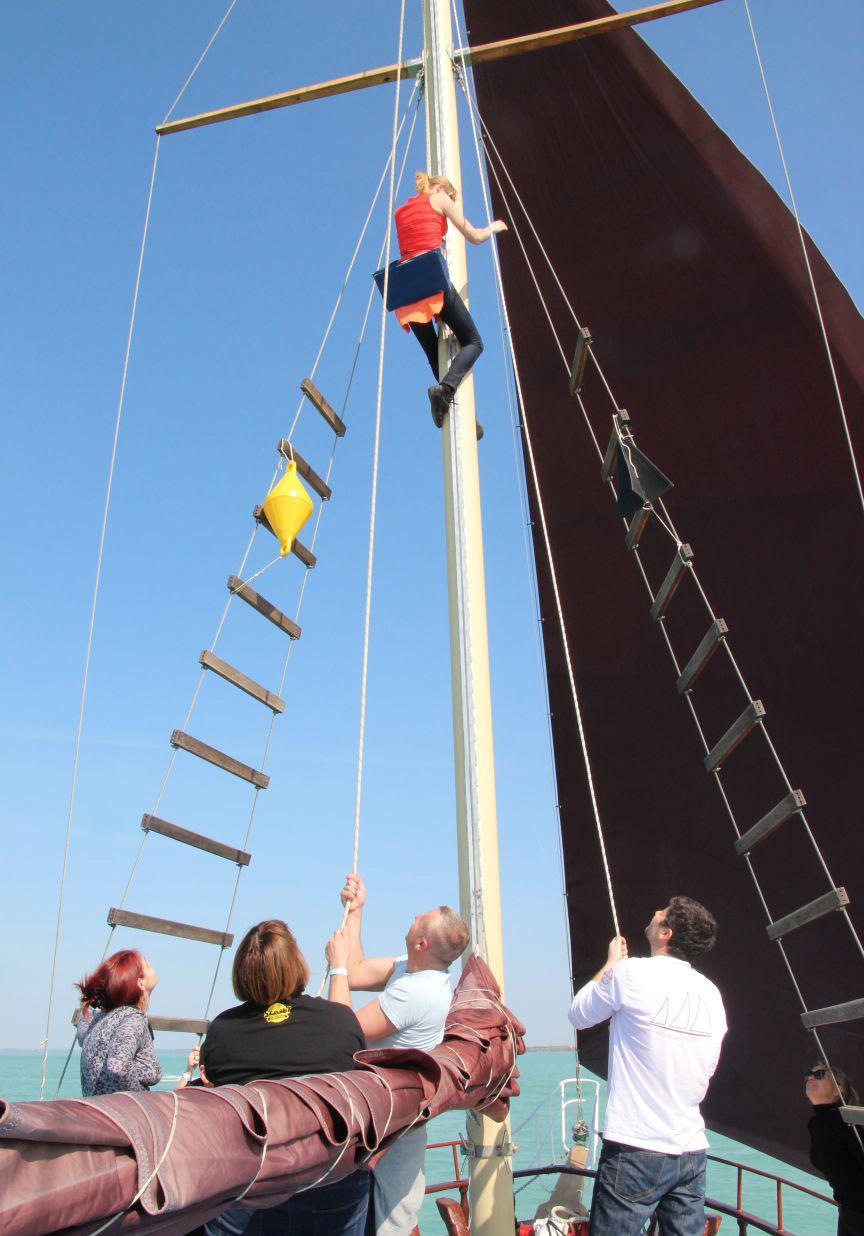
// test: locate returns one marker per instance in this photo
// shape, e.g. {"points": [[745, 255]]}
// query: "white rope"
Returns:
{"points": [[200, 61], [806, 256], [151, 1177], [548, 546], [262, 1096], [77, 747]]}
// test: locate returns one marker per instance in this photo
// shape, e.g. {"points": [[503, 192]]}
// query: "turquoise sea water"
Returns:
{"points": [[539, 1140]]}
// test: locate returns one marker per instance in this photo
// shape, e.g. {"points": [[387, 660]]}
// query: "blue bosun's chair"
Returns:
{"points": [[414, 279]]}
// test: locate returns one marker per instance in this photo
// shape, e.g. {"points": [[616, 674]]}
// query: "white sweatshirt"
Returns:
{"points": [[667, 1025]]}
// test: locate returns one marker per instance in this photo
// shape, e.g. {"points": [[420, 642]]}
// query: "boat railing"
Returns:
{"points": [[746, 1221]]}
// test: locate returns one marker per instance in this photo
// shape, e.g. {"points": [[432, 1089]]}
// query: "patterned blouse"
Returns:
{"points": [[117, 1051]]}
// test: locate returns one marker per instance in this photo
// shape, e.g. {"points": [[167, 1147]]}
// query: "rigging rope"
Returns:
{"points": [[200, 61], [806, 257], [95, 598]]}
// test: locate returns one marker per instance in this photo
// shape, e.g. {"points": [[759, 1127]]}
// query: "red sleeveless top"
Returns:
{"points": [[419, 228]]}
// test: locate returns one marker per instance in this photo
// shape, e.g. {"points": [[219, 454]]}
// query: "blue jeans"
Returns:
{"points": [[631, 1184], [332, 1210]]}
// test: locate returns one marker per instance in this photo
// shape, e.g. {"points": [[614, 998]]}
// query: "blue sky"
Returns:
{"points": [[253, 224]]}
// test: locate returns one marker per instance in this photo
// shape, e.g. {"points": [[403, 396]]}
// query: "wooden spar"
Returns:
{"points": [[411, 68]]}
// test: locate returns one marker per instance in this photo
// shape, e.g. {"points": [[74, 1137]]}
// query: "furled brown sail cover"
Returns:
{"points": [[687, 268], [70, 1163]]}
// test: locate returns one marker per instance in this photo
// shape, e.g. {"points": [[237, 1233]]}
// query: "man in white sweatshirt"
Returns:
{"points": [[667, 1024]]}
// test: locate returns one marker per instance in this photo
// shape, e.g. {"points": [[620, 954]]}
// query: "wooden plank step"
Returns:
{"points": [[638, 524], [708, 645], [210, 661], [680, 564], [204, 752], [835, 900], [167, 927], [621, 422], [263, 606], [316, 482], [312, 393], [851, 1011], [298, 549], [180, 1025], [152, 824], [580, 360], [736, 733], [852, 1115], [778, 815]]}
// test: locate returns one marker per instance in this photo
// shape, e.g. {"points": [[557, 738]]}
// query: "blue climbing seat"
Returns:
{"points": [[415, 279]]}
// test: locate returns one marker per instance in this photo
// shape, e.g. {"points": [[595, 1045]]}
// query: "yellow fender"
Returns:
{"points": [[287, 507]]}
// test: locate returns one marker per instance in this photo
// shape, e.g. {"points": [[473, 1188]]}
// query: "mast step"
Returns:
{"points": [[152, 824], [638, 524], [204, 752], [316, 482], [182, 1025], [263, 606], [580, 360], [680, 564], [620, 429], [736, 733], [852, 1115], [166, 927], [835, 900], [778, 815], [850, 1011], [312, 393], [210, 661], [298, 549], [709, 644]]}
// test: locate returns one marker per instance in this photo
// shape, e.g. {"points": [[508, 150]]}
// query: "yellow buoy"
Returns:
{"points": [[287, 507]]}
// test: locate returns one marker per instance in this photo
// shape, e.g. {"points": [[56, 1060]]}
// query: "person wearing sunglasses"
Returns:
{"points": [[835, 1148]]}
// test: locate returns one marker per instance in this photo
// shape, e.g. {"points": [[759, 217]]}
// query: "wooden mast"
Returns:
{"points": [[491, 1187]]}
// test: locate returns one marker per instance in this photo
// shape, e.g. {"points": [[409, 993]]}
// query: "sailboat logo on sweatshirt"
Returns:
{"points": [[687, 1016]]}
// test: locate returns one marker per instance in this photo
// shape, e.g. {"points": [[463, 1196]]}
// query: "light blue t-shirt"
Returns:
{"points": [[417, 1004]]}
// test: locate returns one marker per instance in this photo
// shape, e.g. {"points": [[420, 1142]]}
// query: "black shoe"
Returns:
{"points": [[440, 399], [480, 429]]}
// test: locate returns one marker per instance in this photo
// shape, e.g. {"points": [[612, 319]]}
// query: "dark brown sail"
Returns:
{"points": [[688, 269]]}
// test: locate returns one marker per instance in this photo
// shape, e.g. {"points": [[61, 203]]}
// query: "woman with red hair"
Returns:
{"points": [[116, 1040]]}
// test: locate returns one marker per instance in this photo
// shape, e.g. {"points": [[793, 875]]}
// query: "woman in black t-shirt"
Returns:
{"points": [[279, 1032], [834, 1146]]}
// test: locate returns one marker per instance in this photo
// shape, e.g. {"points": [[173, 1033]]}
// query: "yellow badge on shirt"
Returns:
{"points": [[276, 1013]]}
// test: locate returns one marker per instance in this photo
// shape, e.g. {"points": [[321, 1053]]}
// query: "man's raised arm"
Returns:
{"points": [[602, 995], [364, 973]]}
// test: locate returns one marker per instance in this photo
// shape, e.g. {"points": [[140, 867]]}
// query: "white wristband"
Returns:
{"points": [[187, 1076], [338, 970]]}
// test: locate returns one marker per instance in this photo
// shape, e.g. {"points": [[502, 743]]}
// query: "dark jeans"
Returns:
{"points": [[332, 1210], [631, 1184], [457, 317]]}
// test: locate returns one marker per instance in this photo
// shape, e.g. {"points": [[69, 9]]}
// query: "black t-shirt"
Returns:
{"points": [[289, 1038]]}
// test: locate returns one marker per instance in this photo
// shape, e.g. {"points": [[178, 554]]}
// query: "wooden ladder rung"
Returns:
{"points": [[289, 450], [778, 815], [181, 1025], [204, 752], [263, 606], [736, 733], [680, 564], [708, 645], [210, 661], [638, 524], [298, 549], [312, 393], [835, 900], [620, 429], [580, 360], [167, 927], [852, 1115], [152, 824], [850, 1011]]}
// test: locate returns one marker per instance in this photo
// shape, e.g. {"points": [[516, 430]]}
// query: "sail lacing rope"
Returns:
{"points": [[816, 300], [668, 525]]}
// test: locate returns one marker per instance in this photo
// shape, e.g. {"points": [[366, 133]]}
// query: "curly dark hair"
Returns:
{"points": [[694, 929]]}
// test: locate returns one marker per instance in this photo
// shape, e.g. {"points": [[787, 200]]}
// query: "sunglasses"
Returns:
{"points": [[816, 1074]]}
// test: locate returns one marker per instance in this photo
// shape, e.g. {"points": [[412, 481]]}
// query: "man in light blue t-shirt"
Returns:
{"points": [[409, 1012]]}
